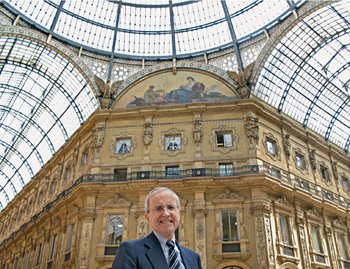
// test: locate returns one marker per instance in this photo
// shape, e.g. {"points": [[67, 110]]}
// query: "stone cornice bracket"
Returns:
{"points": [[199, 210], [260, 208]]}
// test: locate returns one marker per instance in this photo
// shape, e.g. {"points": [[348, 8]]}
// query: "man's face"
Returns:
{"points": [[161, 217]]}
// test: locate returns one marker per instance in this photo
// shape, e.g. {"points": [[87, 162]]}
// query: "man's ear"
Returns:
{"points": [[147, 216]]}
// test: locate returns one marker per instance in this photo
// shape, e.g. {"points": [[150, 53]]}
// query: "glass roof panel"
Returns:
{"points": [[244, 14], [44, 99], [315, 93], [147, 28]]}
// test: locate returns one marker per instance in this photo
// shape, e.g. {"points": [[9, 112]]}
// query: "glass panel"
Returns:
{"points": [[38, 256], [346, 183], [223, 140], [172, 171], [342, 246], [229, 225], [316, 239], [53, 246], [70, 237], [115, 229], [300, 161], [271, 146], [172, 142], [226, 169], [123, 145], [285, 233]]}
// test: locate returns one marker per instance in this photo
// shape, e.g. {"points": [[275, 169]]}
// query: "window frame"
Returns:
{"points": [[228, 201], [38, 254], [226, 169], [180, 134], [314, 219], [229, 224], [108, 242], [120, 137], [285, 251], [223, 129], [171, 174], [270, 139]]}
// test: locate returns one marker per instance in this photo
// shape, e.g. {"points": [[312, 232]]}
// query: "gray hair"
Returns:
{"points": [[154, 191]]}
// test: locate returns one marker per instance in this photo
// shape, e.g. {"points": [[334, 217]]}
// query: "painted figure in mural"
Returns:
{"points": [[192, 90], [160, 248], [150, 95]]}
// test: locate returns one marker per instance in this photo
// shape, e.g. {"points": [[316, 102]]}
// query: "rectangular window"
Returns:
{"points": [[324, 173], [172, 172], [271, 146], [38, 255], [120, 174], [285, 230], [316, 239], [342, 247], [53, 246], [172, 142], [115, 229], [226, 169], [67, 173], [123, 145], [223, 140], [26, 259], [346, 184], [300, 161], [229, 226], [85, 157], [15, 263], [71, 234]]}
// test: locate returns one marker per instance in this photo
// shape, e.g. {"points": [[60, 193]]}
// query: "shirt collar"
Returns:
{"points": [[162, 240]]}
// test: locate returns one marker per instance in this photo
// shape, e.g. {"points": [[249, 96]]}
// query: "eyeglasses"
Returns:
{"points": [[170, 208]]}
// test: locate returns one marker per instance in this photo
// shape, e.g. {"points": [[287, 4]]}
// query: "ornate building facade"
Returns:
{"points": [[256, 189]]}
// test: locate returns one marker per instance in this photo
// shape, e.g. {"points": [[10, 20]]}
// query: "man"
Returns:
{"points": [[158, 250]]}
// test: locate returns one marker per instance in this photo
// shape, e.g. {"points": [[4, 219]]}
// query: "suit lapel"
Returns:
{"points": [[155, 252], [185, 259]]}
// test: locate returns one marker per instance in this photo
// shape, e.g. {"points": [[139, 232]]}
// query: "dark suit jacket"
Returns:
{"points": [[147, 253]]}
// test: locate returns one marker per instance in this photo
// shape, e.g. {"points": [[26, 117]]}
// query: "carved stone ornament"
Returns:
{"points": [[252, 129], [313, 162], [227, 197], [313, 212], [282, 200], [197, 131], [147, 133], [335, 170], [242, 79], [287, 145], [116, 201]]}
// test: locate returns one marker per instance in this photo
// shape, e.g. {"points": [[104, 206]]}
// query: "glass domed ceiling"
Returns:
{"points": [[153, 28]]}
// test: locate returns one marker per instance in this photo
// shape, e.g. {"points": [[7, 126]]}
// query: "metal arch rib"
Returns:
{"points": [[24, 160], [29, 120]]}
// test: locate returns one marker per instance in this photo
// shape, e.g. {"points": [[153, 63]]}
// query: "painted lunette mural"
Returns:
{"points": [[184, 87]]}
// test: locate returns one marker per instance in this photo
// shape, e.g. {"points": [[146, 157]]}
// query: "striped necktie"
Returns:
{"points": [[173, 258]]}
